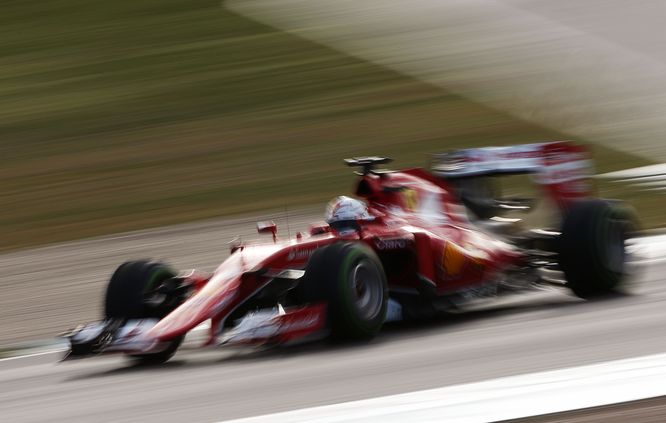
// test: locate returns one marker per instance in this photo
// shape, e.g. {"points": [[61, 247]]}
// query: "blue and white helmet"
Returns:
{"points": [[344, 209]]}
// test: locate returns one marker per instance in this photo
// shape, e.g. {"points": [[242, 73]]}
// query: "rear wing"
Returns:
{"points": [[562, 167], [515, 159]]}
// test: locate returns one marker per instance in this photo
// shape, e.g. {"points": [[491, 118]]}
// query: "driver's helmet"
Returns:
{"points": [[346, 211]]}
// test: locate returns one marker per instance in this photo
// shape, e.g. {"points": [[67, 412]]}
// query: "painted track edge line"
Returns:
{"points": [[36, 354], [62, 346], [499, 399]]}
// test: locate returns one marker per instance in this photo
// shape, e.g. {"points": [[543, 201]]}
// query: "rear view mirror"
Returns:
{"points": [[267, 227]]}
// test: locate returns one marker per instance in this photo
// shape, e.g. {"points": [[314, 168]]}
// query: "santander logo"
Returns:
{"points": [[390, 244], [300, 254]]}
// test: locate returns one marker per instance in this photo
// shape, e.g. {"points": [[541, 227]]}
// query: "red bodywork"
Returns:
{"points": [[421, 217], [419, 230]]}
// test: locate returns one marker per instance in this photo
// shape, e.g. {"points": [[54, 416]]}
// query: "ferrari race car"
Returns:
{"points": [[413, 243]]}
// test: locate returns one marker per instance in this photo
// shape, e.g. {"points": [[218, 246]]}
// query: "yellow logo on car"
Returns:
{"points": [[453, 259], [411, 199]]}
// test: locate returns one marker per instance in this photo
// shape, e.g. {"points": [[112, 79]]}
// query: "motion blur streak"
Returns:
{"points": [[595, 68], [542, 330], [136, 114], [62, 285]]}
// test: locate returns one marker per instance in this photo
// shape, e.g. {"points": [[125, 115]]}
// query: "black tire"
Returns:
{"points": [[158, 357], [591, 247], [125, 299], [349, 277]]}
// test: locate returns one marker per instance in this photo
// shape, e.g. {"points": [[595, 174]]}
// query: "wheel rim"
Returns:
{"points": [[151, 297], [367, 290]]}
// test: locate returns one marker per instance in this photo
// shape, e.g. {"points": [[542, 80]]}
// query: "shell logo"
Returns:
{"points": [[453, 259], [411, 199]]}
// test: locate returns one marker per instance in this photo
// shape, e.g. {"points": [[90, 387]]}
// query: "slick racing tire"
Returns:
{"points": [[126, 299], [592, 251], [348, 277]]}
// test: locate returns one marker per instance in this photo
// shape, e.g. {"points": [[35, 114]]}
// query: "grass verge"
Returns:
{"points": [[131, 114]]}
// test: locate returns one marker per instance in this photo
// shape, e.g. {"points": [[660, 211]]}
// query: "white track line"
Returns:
{"points": [[650, 249], [500, 399], [37, 354], [195, 338]]}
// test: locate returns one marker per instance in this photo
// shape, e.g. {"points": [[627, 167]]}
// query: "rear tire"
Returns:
{"points": [[349, 277], [126, 299], [592, 247]]}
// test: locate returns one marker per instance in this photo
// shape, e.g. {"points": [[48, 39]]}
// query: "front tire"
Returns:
{"points": [[349, 277], [126, 298]]}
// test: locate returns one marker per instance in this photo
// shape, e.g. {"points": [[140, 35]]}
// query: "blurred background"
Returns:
{"points": [[117, 116], [197, 116]]}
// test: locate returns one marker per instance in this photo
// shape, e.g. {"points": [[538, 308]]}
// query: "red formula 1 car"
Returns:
{"points": [[415, 243]]}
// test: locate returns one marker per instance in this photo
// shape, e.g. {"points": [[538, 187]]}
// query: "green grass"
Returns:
{"points": [[123, 115]]}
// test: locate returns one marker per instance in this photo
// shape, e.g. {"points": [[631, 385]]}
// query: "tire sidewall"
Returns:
{"points": [[128, 286], [125, 300], [327, 280], [356, 254], [593, 232]]}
